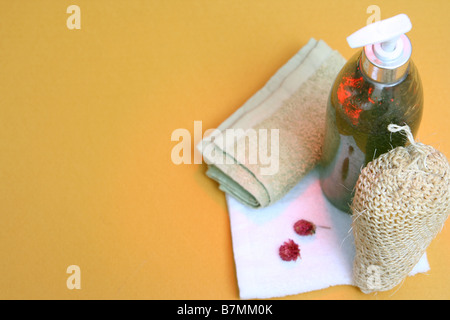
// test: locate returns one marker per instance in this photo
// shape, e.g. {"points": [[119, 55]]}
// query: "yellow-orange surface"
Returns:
{"points": [[86, 117]]}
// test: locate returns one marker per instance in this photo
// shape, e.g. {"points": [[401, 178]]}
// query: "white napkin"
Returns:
{"points": [[326, 257]]}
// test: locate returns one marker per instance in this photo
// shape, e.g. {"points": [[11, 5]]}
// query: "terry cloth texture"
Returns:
{"points": [[269, 144]]}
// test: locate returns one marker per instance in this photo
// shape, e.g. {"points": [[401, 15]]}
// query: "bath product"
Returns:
{"points": [[401, 202], [379, 85]]}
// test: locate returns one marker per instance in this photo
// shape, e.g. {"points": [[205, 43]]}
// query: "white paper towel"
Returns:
{"points": [[326, 257]]}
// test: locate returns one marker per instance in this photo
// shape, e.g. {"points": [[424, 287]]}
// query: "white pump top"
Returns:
{"points": [[385, 44], [386, 33]]}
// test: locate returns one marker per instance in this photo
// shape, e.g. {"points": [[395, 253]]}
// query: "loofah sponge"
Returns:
{"points": [[401, 202]]}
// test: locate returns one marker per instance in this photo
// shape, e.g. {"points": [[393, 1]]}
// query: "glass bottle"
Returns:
{"points": [[365, 98]]}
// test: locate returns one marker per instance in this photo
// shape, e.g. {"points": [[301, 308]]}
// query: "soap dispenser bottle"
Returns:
{"points": [[378, 86]]}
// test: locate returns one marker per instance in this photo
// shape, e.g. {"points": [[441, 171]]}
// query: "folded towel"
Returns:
{"points": [[326, 257], [289, 111]]}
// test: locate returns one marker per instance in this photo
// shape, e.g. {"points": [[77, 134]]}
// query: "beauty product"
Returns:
{"points": [[378, 86]]}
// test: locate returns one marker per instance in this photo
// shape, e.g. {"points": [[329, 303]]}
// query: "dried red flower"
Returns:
{"points": [[289, 251], [304, 228]]}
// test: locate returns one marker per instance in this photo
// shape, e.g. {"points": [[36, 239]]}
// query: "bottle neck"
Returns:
{"points": [[382, 75], [386, 72]]}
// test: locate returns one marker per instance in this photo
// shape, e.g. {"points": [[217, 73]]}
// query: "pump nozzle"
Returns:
{"points": [[385, 34], [385, 31], [386, 47]]}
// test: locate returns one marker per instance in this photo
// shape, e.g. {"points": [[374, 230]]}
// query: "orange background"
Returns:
{"points": [[86, 117]]}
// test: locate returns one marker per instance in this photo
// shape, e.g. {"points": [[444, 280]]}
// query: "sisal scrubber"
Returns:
{"points": [[401, 202]]}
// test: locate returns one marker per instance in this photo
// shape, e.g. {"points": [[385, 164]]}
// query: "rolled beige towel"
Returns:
{"points": [[269, 144]]}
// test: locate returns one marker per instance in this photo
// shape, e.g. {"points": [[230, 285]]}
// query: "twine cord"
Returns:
{"points": [[406, 130]]}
